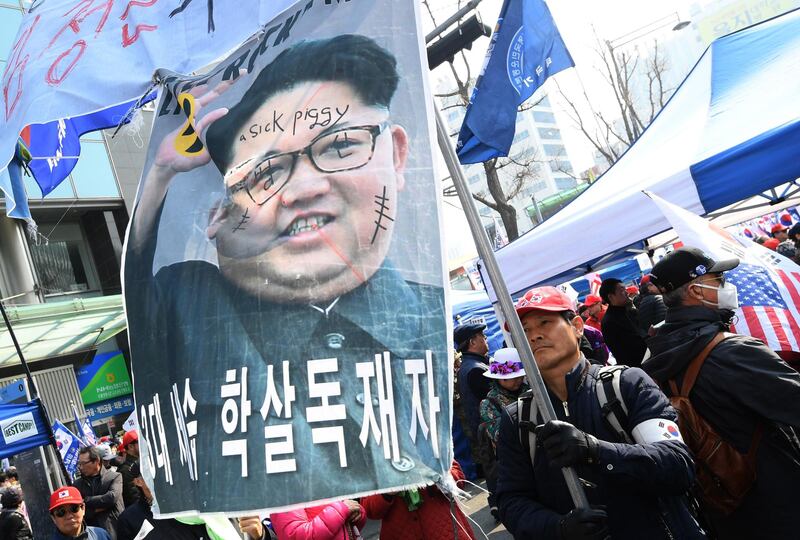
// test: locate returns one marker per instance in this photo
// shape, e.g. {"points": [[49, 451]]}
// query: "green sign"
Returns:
{"points": [[105, 378]]}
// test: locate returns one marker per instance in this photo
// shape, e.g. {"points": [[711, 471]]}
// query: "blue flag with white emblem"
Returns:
{"points": [[526, 49]]}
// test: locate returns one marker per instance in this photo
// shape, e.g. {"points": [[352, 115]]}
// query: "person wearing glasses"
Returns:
{"points": [[67, 512], [313, 167], [101, 490]]}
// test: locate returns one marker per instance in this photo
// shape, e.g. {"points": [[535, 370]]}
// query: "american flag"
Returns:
{"points": [[768, 306], [768, 284]]}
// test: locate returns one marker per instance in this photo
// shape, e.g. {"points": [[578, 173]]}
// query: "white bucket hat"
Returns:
{"points": [[505, 364]]}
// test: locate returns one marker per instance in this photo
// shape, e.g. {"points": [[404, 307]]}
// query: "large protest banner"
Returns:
{"points": [[284, 282], [73, 57]]}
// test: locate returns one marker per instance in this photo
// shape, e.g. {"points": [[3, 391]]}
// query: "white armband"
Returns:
{"points": [[656, 430]]}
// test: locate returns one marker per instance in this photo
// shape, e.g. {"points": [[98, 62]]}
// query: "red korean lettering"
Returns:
{"points": [[15, 68]]}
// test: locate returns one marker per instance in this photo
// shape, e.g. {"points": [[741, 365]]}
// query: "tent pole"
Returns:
{"points": [[503, 297], [35, 393]]}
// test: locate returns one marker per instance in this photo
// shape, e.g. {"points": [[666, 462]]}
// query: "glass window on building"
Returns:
{"points": [[63, 264], [549, 133], [555, 150], [521, 136], [544, 117], [485, 211], [563, 183], [561, 166], [474, 179], [545, 102]]}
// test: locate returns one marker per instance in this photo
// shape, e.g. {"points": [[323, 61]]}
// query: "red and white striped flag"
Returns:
{"points": [[768, 284]]}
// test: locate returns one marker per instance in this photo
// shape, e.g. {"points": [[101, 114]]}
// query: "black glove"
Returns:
{"points": [[565, 444], [588, 523]]}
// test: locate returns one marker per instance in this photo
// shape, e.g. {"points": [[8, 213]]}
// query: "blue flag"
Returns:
{"points": [[12, 187], [56, 147], [526, 49], [22, 427], [68, 446]]}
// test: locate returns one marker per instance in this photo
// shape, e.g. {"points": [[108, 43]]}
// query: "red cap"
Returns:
{"points": [[65, 495], [128, 438], [591, 300], [632, 289], [771, 243], [645, 279], [778, 227], [544, 299]]}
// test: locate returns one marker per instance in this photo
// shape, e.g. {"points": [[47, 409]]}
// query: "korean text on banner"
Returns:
{"points": [[72, 58], [767, 283], [525, 50], [284, 283], [68, 445], [22, 428]]}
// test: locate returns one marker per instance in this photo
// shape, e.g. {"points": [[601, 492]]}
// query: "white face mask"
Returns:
{"points": [[727, 296]]}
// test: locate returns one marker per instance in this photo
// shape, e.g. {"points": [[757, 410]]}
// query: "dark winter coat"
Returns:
{"points": [[102, 495], [13, 526], [133, 518], [639, 483], [742, 384], [651, 311], [473, 387], [623, 336], [130, 493]]}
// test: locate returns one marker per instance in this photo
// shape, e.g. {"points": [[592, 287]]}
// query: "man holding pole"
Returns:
{"points": [[637, 471]]}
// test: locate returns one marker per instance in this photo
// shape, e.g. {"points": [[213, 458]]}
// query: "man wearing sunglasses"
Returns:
{"points": [[313, 167], [67, 512]]}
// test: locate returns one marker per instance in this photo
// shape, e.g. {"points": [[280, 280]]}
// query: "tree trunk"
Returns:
{"points": [[507, 212]]}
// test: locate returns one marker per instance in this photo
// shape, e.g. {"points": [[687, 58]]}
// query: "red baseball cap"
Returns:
{"points": [[645, 279], [591, 300], [544, 299], [129, 437], [771, 243], [631, 289], [65, 495], [778, 227]]}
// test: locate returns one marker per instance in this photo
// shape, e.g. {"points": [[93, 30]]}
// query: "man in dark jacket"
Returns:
{"points": [[651, 306], [620, 324], [640, 485], [742, 385], [473, 386], [130, 444], [67, 510], [101, 489]]}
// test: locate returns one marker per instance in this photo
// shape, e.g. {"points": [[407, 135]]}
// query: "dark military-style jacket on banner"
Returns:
{"points": [[202, 328]]}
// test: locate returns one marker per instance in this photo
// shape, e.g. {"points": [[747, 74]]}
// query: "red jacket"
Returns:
{"points": [[326, 522], [431, 521]]}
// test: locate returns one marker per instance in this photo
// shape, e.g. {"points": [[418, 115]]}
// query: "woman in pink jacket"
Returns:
{"points": [[340, 520]]}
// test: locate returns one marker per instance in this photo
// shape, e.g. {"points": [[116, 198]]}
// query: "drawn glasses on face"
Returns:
{"points": [[344, 149], [62, 511]]}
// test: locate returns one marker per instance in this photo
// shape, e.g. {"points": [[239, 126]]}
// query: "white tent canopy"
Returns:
{"points": [[730, 131]]}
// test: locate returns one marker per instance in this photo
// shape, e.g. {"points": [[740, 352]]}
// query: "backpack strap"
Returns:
{"points": [[690, 377], [614, 410], [527, 411]]}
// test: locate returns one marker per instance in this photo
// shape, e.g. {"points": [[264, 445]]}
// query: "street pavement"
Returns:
{"points": [[476, 508]]}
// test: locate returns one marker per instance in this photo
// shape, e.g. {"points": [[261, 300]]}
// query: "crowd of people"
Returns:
{"points": [[676, 429], [692, 433]]}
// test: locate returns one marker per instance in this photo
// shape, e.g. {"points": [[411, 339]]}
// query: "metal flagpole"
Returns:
{"points": [[35, 393], [504, 298]]}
